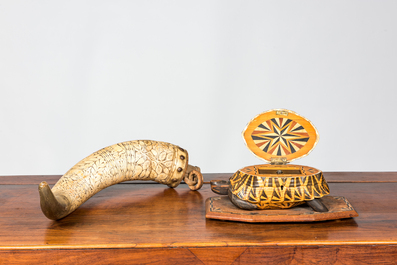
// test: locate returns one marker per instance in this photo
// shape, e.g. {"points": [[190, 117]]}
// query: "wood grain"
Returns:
{"points": [[145, 221], [319, 255], [211, 256], [155, 216], [102, 256]]}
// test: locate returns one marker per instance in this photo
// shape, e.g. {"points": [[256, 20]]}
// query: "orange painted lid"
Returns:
{"points": [[280, 133]]}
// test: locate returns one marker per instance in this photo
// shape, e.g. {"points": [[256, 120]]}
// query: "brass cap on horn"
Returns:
{"points": [[53, 206]]}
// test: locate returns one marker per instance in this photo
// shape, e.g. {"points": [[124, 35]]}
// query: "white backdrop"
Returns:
{"points": [[76, 76]]}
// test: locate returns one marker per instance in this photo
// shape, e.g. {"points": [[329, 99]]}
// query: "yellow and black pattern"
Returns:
{"points": [[280, 136], [268, 192]]}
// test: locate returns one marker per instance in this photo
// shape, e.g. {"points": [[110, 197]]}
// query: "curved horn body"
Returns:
{"points": [[134, 160]]}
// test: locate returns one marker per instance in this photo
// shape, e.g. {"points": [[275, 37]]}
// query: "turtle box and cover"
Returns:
{"points": [[278, 191]]}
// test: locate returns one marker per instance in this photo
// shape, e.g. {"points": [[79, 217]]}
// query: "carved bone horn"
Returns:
{"points": [[134, 160]]}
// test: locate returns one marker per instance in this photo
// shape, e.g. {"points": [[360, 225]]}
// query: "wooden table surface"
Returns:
{"points": [[138, 222]]}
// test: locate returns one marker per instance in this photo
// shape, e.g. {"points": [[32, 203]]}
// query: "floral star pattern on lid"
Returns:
{"points": [[280, 136]]}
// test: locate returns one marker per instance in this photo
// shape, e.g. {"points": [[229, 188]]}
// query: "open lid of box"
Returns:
{"points": [[280, 134]]}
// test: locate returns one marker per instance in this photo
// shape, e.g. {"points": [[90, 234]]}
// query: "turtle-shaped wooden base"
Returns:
{"points": [[277, 187]]}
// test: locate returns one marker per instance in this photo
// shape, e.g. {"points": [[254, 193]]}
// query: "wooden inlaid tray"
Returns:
{"points": [[222, 208]]}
